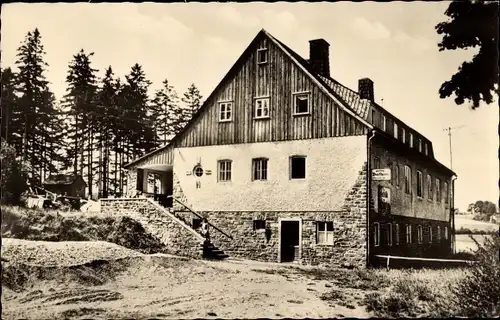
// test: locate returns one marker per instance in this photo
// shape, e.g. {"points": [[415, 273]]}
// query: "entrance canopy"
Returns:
{"points": [[157, 167]]}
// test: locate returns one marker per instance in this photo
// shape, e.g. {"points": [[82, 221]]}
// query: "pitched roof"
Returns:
{"points": [[62, 179]]}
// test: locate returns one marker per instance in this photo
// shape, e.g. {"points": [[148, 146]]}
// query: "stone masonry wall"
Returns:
{"points": [[131, 182], [349, 248], [179, 240]]}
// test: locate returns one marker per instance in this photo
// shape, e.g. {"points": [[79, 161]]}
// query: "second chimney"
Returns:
{"points": [[319, 57], [365, 89]]}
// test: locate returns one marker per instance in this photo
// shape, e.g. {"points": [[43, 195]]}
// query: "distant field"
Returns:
{"points": [[464, 243], [467, 222]]}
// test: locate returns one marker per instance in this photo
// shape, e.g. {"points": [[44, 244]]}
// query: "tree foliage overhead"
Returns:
{"points": [[472, 24]]}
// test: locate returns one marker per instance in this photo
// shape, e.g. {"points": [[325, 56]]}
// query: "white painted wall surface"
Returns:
{"points": [[332, 167]]}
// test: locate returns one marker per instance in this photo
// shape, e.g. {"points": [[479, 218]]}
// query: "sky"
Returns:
{"points": [[394, 44]]}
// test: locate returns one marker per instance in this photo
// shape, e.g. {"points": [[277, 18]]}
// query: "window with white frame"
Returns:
{"points": [[419, 145], [407, 180], [408, 233], [376, 234], [439, 233], [438, 190], [446, 233], [384, 123], [324, 232], [403, 135], [301, 103], [426, 149], [262, 56], [396, 130], [261, 108], [225, 111], [396, 237], [298, 167], [430, 234], [259, 169], [224, 170], [420, 184], [411, 140], [420, 234], [396, 176], [446, 191], [429, 187], [389, 234]]}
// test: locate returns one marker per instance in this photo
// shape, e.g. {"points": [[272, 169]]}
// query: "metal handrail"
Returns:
{"points": [[196, 214]]}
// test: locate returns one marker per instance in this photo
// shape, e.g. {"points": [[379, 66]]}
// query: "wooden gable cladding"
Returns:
{"points": [[278, 79], [164, 156]]}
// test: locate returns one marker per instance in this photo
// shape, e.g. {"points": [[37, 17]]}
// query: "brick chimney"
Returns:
{"points": [[319, 57], [365, 89]]}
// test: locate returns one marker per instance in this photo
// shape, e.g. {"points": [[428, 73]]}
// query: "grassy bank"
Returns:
{"points": [[44, 225]]}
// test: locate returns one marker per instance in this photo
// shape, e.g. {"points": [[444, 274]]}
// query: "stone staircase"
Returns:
{"points": [[207, 250]]}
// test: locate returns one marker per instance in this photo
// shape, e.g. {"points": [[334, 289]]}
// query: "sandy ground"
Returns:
{"points": [[155, 286]]}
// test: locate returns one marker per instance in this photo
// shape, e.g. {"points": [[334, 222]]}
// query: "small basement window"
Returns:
{"points": [[261, 108], [225, 111], [408, 233], [420, 234], [297, 167], [389, 234], [324, 232], [430, 234], [259, 224], [397, 234], [262, 56], [446, 233], [439, 233], [301, 104], [196, 223]]}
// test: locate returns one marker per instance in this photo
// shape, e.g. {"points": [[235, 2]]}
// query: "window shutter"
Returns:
{"points": [[140, 179]]}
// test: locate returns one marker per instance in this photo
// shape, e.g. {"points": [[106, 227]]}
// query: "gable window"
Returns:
{"points": [[396, 130], [224, 170], [324, 232], [389, 234], [262, 56], [411, 140], [439, 233], [261, 108], [419, 145], [259, 168], [429, 187], [420, 234], [396, 175], [384, 123], [297, 167], [446, 233], [259, 224], [426, 149], [408, 233], [225, 111], [376, 234], [438, 190], [430, 234], [407, 180], [301, 103], [446, 192], [420, 187], [396, 238]]}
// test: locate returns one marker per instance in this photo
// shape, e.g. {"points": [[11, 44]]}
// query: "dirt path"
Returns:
{"points": [[159, 286]]}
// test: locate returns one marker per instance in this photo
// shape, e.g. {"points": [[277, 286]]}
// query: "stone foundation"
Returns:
{"points": [[179, 239]]}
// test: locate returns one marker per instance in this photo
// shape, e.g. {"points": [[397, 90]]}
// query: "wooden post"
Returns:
{"points": [[388, 258]]}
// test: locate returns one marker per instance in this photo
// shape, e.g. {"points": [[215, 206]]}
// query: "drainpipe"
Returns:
{"points": [[452, 214], [368, 195]]}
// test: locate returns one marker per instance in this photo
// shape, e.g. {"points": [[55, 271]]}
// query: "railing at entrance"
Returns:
{"points": [[199, 216]]}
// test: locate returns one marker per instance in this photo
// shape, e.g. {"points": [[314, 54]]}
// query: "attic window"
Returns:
{"points": [[426, 149], [262, 56], [396, 133], [261, 108], [301, 103], [225, 111]]}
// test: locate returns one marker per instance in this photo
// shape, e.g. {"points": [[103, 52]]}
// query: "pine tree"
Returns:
{"points": [[192, 103], [81, 112], [11, 123], [163, 107], [36, 107]]}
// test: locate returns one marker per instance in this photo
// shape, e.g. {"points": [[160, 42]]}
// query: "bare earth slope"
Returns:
{"points": [[103, 280]]}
